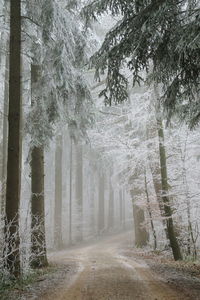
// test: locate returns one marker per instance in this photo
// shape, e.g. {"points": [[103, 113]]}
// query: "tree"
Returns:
{"points": [[158, 32], [62, 92], [14, 142], [101, 204], [111, 204], [5, 135], [58, 194], [165, 187], [70, 186], [146, 39], [79, 190], [38, 240], [150, 212], [136, 191]]}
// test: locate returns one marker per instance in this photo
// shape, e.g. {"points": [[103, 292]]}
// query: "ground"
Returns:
{"points": [[110, 269]]}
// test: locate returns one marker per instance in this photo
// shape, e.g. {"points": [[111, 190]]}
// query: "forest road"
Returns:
{"points": [[105, 274]]}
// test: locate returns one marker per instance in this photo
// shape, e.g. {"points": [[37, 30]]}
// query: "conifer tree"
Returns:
{"points": [[14, 142], [160, 37]]}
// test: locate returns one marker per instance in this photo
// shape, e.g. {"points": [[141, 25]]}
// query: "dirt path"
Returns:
{"points": [[104, 273]]}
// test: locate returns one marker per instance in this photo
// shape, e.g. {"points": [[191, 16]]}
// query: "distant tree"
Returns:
{"points": [[111, 204], [58, 243], [101, 203], [136, 191], [79, 190]]}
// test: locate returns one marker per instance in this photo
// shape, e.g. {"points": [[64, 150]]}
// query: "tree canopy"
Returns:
{"points": [[159, 37]]}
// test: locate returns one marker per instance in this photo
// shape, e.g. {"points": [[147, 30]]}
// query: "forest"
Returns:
{"points": [[99, 149]]}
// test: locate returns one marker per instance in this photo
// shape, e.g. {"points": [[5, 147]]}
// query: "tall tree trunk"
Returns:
{"points": [[38, 242], [101, 211], [70, 190], [164, 182], [158, 189], [111, 206], [154, 165], [123, 210], [141, 235], [5, 136], [79, 191], [14, 142], [165, 189], [150, 214], [39, 258], [92, 197], [58, 243], [191, 239], [121, 207]]}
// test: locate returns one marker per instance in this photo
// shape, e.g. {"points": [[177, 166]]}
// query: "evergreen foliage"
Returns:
{"points": [[59, 46], [158, 36]]}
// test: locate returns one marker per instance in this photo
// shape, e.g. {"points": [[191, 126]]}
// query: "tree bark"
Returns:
{"points": [[58, 243], [38, 241], [14, 142], [5, 136], [164, 182], [39, 258], [165, 198]]}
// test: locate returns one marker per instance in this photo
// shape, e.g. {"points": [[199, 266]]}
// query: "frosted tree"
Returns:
{"points": [[63, 96]]}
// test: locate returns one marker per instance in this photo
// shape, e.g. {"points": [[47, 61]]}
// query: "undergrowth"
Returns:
{"points": [[16, 286]]}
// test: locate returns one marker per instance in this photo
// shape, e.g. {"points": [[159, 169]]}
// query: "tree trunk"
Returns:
{"points": [[158, 189], [150, 214], [5, 136], [92, 198], [121, 207], [123, 210], [101, 212], [191, 239], [38, 242], [70, 190], [39, 258], [111, 206], [79, 191], [164, 182], [166, 201], [154, 165], [141, 235], [14, 142], [58, 243]]}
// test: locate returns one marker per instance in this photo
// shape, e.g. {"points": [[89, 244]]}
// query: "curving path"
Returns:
{"points": [[105, 274]]}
